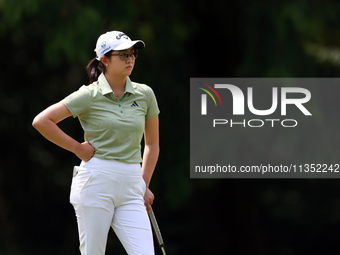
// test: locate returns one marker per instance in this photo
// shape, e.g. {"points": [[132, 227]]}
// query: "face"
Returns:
{"points": [[120, 63]]}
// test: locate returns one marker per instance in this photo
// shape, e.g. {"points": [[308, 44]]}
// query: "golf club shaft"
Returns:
{"points": [[156, 230]]}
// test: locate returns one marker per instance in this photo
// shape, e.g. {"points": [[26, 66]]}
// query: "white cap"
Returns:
{"points": [[115, 40]]}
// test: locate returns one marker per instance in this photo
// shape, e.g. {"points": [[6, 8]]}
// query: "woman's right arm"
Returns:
{"points": [[46, 123]]}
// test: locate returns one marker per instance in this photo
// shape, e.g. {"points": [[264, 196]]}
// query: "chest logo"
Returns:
{"points": [[134, 104]]}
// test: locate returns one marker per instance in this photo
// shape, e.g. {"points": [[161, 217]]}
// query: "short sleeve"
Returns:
{"points": [[152, 105], [78, 102]]}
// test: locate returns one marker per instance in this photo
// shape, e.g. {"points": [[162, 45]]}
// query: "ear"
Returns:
{"points": [[104, 60]]}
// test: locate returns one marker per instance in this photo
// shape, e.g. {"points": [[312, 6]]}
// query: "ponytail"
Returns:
{"points": [[94, 69]]}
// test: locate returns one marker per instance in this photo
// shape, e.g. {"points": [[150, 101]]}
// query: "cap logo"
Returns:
{"points": [[122, 35], [103, 44]]}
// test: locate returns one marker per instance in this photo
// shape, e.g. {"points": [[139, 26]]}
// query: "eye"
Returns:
{"points": [[123, 54]]}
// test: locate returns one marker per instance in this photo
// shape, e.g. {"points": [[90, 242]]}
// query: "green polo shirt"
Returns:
{"points": [[114, 127]]}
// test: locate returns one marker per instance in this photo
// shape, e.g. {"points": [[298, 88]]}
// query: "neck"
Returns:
{"points": [[117, 84]]}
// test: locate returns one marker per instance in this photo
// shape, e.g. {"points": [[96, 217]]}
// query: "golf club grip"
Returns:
{"points": [[156, 228]]}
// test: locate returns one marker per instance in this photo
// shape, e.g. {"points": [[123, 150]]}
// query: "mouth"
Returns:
{"points": [[129, 67]]}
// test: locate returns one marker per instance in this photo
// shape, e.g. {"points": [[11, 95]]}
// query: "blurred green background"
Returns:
{"points": [[45, 46]]}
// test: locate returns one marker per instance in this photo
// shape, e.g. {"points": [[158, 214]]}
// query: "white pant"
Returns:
{"points": [[108, 193]]}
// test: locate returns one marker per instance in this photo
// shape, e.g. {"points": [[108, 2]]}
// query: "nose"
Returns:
{"points": [[129, 57]]}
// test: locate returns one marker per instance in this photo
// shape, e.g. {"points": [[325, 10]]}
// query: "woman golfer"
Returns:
{"points": [[110, 187]]}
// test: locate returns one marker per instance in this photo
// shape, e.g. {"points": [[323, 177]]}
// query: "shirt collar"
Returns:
{"points": [[128, 86], [105, 86]]}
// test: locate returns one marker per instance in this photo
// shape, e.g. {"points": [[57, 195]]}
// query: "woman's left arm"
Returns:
{"points": [[150, 157]]}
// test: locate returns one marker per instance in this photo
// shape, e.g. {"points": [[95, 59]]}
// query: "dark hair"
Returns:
{"points": [[95, 67]]}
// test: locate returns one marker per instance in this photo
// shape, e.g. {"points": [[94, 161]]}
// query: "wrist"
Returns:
{"points": [[76, 147], [146, 182]]}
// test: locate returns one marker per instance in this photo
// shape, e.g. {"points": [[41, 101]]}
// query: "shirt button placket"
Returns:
{"points": [[120, 105]]}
